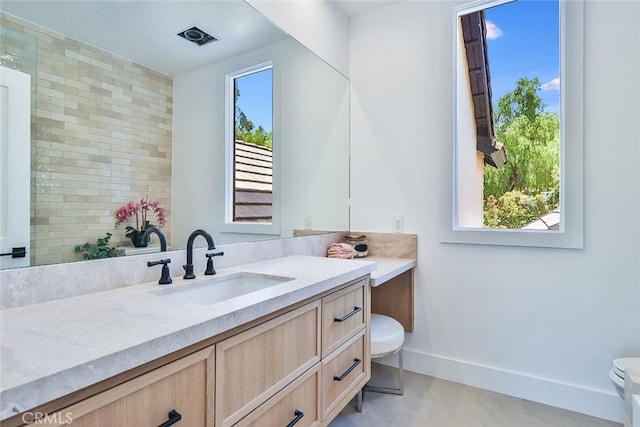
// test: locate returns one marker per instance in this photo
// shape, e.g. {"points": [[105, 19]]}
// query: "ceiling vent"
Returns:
{"points": [[196, 35]]}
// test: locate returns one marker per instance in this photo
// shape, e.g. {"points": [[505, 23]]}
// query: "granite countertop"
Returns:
{"points": [[54, 348], [388, 268]]}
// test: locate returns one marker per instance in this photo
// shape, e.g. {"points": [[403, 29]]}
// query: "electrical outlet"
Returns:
{"points": [[307, 222], [398, 224]]}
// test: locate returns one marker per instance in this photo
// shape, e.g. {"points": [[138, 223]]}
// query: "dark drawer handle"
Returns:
{"points": [[299, 414], [174, 417], [20, 252], [346, 316], [356, 362]]}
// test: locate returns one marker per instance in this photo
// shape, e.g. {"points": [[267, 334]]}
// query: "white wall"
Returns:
{"points": [[315, 158], [543, 324], [470, 162], [317, 24], [312, 101]]}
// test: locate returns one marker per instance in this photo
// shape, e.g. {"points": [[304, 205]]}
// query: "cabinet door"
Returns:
{"points": [[183, 388], [254, 365], [343, 314], [344, 372], [297, 405]]}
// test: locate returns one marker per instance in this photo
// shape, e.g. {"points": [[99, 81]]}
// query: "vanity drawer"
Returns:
{"points": [[343, 372], [179, 389], [343, 315], [254, 365], [299, 401]]}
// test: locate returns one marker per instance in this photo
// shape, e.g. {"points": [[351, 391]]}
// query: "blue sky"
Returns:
{"points": [[256, 98], [524, 42]]}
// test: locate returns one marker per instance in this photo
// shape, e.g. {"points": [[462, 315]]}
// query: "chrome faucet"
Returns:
{"points": [[163, 240], [188, 267]]}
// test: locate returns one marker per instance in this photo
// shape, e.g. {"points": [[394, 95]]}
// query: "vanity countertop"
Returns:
{"points": [[388, 268], [54, 348]]}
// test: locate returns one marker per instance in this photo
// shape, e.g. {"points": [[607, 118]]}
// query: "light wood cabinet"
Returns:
{"points": [[342, 373], [297, 404], [395, 299], [255, 364], [344, 369], [182, 389], [276, 372], [343, 315]]}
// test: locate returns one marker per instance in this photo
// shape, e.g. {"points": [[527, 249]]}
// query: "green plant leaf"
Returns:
{"points": [[100, 249]]}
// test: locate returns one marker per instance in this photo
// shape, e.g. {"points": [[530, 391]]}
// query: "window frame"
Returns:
{"points": [[228, 224], [570, 234]]}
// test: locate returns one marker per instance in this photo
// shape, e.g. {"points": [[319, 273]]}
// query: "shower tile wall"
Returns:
{"points": [[101, 130]]}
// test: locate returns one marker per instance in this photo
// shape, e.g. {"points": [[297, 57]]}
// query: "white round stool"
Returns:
{"points": [[387, 338]]}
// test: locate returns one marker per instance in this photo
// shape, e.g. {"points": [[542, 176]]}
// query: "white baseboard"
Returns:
{"points": [[597, 403]]}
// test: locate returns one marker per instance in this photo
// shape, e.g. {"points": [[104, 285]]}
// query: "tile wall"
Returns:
{"points": [[101, 129]]}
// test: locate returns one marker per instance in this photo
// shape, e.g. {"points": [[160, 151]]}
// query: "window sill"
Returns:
{"points": [[250, 228], [568, 239]]}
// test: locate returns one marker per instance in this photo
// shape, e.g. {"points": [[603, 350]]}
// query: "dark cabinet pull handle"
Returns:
{"points": [[299, 414], [20, 252], [356, 362], [346, 316], [174, 417]]}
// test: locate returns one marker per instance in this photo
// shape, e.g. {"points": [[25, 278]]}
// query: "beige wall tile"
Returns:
{"points": [[101, 136]]}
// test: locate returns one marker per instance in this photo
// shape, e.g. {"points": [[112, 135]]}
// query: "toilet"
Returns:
{"points": [[617, 371]]}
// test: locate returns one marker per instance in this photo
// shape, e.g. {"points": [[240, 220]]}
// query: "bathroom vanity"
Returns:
{"points": [[295, 352], [395, 298]]}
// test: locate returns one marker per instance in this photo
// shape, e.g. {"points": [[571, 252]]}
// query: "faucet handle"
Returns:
{"points": [[210, 270], [165, 278]]}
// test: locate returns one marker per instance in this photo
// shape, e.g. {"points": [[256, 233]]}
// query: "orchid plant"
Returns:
{"points": [[141, 212]]}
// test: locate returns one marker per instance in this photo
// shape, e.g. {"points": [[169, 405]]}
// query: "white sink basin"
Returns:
{"points": [[221, 288]]}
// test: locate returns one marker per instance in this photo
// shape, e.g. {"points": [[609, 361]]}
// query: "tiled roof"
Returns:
{"points": [[253, 190], [474, 32]]}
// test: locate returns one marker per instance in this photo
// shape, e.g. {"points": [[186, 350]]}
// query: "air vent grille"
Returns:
{"points": [[196, 35]]}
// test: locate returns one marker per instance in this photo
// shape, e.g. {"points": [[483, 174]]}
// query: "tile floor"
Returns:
{"points": [[432, 402]]}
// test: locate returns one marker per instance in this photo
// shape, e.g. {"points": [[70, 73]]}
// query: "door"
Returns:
{"points": [[15, 141]]}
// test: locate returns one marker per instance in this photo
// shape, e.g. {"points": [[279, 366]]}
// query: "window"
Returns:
{"points": [[250, 192], [491, 119]]}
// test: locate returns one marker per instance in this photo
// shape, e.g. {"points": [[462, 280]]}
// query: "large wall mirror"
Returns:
{"points": [[128, 105]]}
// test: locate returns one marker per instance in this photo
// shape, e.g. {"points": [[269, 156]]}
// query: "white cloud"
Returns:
{"points": [[493, 32], [553, 84]]}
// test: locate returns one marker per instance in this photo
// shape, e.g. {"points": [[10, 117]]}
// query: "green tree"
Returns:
{"points": [[532, 140], [256, 136], [533, 156], [522, 101], [245, 130]]}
